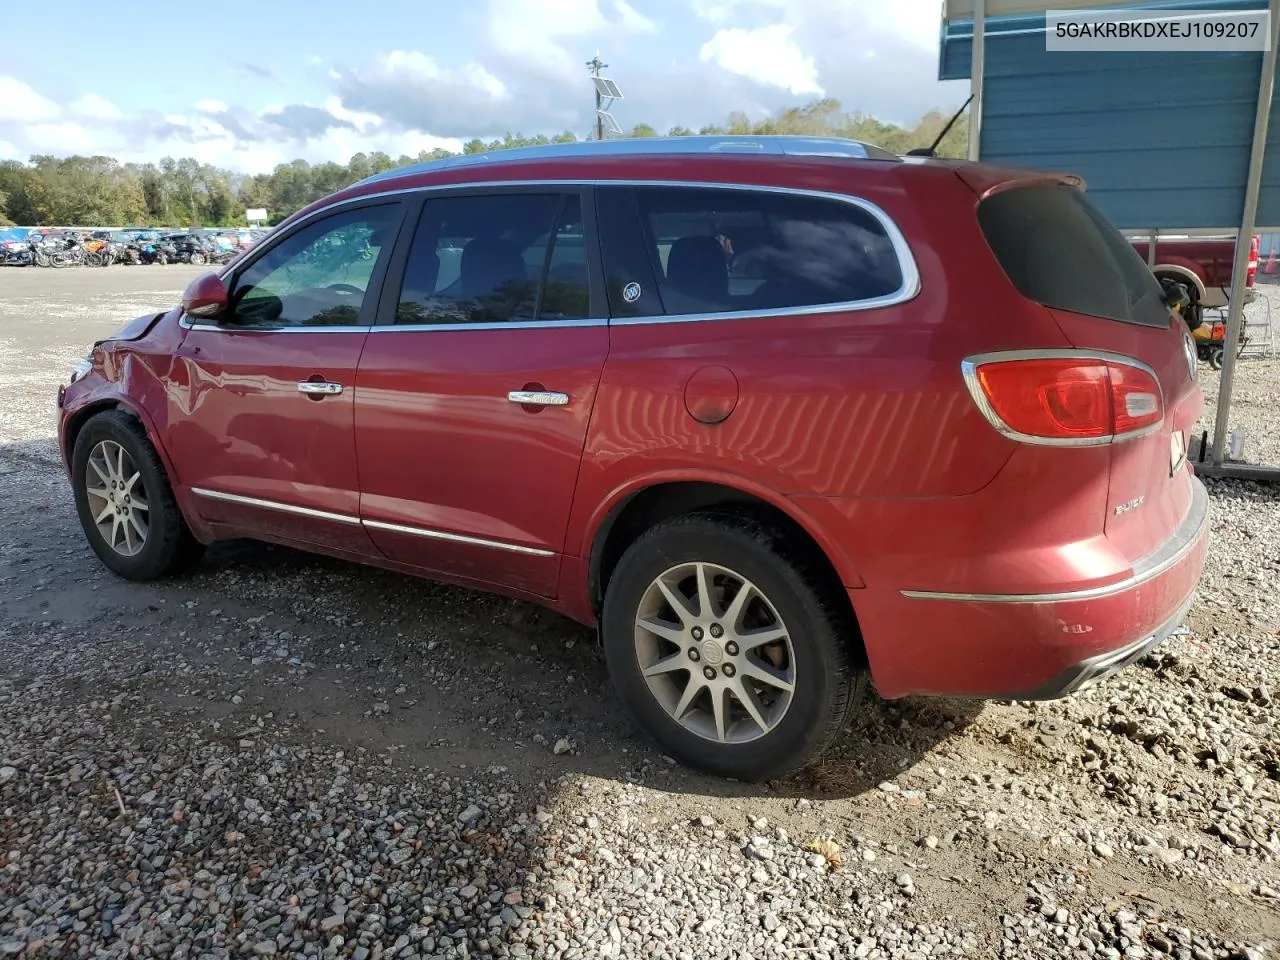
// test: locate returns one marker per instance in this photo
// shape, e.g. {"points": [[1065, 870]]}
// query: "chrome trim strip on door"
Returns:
{"points": [[1164, 557], [370, 524], [457, 538], [274, 505]]}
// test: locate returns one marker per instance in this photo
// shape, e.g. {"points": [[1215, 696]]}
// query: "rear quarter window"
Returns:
{"points": [[1059, 250], [730, 250]]}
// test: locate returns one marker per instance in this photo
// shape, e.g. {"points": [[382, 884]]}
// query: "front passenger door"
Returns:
{"points": [[260, 425]]}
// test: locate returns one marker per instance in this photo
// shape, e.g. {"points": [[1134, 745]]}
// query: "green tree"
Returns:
{"points": [[643, 130]]}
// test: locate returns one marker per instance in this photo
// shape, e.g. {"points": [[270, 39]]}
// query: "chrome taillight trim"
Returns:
{"points": [[969, 370], [1192, 355]]}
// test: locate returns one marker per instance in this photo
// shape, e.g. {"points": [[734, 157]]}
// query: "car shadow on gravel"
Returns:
{"points": [[427, 674]]}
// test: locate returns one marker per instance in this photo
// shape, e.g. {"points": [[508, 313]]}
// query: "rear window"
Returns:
{"points": [[1060, 251]]}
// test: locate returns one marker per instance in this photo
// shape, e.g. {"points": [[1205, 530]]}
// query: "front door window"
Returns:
{"points": [[319, 276]]}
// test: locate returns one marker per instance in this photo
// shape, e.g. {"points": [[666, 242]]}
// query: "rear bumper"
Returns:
{"points": [[1032, 646], [1090, 671]]}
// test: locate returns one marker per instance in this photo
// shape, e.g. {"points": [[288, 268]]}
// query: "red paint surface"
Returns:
{"points": [[856, 424]]}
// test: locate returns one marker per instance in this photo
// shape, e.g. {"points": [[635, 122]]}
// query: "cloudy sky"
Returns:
{"points": [[248, 84]]}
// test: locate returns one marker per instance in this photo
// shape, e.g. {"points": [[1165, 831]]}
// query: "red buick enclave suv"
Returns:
{"points": [[777, 414]]}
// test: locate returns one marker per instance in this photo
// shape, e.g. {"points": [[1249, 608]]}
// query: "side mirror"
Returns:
{"points": [[205, 296]]}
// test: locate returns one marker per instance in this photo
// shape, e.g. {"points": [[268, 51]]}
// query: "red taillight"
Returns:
{"points": [[1064, 398], [1254, 247]]}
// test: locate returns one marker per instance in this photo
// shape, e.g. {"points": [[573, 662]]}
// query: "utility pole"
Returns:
{"points": [[596, 66]]}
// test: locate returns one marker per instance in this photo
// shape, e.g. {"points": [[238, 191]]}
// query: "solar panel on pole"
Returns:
{"points": [[607, 88], [610, 121]]}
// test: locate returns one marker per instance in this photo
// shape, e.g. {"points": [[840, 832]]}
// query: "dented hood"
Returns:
{"points": [[135, 329]]}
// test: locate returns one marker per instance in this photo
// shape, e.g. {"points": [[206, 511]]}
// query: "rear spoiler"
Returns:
{"points": [[986, 181]]}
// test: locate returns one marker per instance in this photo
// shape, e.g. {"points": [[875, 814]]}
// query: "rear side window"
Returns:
{"points": [[713, 250], [496, 258], [1060, 251]]}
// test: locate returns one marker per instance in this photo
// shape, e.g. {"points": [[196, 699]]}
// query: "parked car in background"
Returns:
{"points": [[775, 422], [1202, 265]]}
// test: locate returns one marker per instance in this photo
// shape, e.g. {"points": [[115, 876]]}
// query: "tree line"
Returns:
{"points": [[50, 191]]}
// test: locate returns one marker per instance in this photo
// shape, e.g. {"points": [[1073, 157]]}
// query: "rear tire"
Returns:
{"points": [[126, 506], [1215, 358], [720, 655]]}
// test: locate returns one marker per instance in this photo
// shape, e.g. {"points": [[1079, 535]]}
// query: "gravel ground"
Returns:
{"points": [[280, 755]]}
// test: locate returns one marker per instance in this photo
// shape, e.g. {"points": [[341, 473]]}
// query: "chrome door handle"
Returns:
{"points": [[320, 388], [538, 398]]}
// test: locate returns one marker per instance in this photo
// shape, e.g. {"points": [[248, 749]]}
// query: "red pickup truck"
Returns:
{"points": [[1202, 265]]}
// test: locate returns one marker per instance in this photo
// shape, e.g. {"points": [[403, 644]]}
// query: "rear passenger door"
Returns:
{"points": [[475, 389]]}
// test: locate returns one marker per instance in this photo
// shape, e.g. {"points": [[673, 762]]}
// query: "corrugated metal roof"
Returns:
{"points": [[1161, 138], [953, 10]]}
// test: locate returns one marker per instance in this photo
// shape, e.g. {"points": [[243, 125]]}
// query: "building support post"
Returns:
{"points": [[1244, 239], [977, 73]]}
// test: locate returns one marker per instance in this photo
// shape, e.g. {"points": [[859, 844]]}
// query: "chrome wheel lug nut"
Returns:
{"points": [[731, 648], [728, 670], [697, 633], [694, 655], [717, 630], [709, 672]]}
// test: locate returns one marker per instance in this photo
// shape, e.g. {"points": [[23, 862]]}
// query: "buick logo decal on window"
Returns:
{"points": [[631, 292]]}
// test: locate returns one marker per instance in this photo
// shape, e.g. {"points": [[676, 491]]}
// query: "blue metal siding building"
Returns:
{"points": [[1162, 139]]}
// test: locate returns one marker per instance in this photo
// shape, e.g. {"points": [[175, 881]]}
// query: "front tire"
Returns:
{"points": [[731, 646], [198, 259], [126, 506]]}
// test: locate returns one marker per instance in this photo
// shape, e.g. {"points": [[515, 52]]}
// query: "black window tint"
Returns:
{"points": [[483, 259], [1060, 251], [628, 264], [566, 291], [729, 250], [319, 275]]}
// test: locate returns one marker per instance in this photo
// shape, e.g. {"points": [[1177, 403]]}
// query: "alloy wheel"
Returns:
{"points": [[715, 653], [117, 498]]}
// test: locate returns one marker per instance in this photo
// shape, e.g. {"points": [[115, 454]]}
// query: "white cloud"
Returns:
{"points": [[61, 138], [95, 107], [359, 118], [414, 66], [10, 152], [767, 55], [212, 106], [632, 20], [21, 104], [916, 21]]}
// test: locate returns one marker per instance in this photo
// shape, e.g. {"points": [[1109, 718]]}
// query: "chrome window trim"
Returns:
{"points": [[457, 538], [509, 325], [1163, 558], [969, 371], [908, 290], [216, 328], [350, 520]]}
